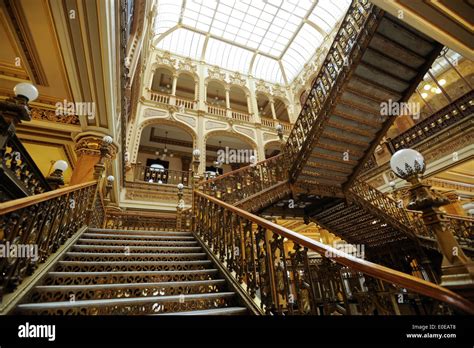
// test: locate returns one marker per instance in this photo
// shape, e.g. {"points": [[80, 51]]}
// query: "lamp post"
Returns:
{"points": [[56, 179], [457, 269], [180, 206], [108, 188], [195, 164], [14, 110], [279, 129], [104, 149]]}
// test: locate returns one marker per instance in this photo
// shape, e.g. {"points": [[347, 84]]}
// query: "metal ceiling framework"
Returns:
{"points": [[268, 39]]}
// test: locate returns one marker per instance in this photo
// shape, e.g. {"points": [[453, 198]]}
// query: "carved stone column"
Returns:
{"points": [[88, 150], [272, 106]]}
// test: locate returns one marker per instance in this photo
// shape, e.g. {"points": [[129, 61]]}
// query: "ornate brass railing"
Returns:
{"points": [[19, 174], [242, 183], [370, 197], [436, 123], [32, 228], [287, 273], [162, 176], [462, 227], [354, 33], [140, 220]]}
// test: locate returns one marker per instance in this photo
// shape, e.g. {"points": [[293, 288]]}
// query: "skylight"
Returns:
{"points": [[268, 39]]}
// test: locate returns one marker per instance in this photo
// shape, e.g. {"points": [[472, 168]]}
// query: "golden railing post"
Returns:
{"points": [[179, 207], [99, 170], [457, 269]]}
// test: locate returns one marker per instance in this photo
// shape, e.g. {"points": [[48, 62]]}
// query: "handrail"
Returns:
{"points": [[242, 169], [239, 184], [380, 272], [38, 225], [361, 18], [24, 202], [19, 174], [437, 122]]}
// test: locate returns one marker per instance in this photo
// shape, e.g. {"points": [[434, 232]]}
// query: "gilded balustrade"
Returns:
{"points": [[286, 273], [346, 49], [240, 184], [35, 227]]}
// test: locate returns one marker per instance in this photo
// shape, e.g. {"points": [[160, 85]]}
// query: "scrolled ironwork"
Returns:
{"points": [[287, 273], [40, 225]]}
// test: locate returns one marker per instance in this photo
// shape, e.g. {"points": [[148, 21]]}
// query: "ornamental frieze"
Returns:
{"points": [[215, 125], [187, 65], [50, 115], [164, 58], [237, 79], [216, 73]]}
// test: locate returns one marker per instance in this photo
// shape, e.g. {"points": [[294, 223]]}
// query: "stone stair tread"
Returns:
{"points": [[79, 263], [214, 311], [204, 271], [123, 301], [135, 247], [146, 242], [76, 253], [138, 236], [129, 285], [135, 232]]}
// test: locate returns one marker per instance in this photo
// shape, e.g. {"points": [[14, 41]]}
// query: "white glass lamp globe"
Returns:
{"points": [[279, 127], [253, 159], [107, 139], [110, 178], [60, 165], [26, 90], [392, 184], [180, 186], [407, 163], [196, 153]]}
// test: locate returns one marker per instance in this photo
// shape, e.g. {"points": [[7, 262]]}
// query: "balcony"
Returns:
{"points": [[168, 99], [220, 111]]}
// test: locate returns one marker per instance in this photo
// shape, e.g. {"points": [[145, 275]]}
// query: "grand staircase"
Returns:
{"points": [[346, 114], [234, 261], [134, 273]]}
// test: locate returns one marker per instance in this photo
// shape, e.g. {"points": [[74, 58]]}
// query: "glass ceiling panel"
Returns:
{"points": [[183, 42], [279, 33], [268, 69], [228, 56]]}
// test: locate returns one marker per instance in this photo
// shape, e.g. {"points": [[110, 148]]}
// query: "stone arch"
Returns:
{"points": [[155, 121]]}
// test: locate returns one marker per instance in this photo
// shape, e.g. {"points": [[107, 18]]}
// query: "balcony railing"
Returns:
{"points": [[161, 176], [185, 103], [272, 123], [435, 124], [216, 110], [241, 116], [159, 98]]}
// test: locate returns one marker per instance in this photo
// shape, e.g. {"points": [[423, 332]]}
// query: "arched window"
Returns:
{"points": [[162, 81], [238, 99], [281, 110], [264, 107]]}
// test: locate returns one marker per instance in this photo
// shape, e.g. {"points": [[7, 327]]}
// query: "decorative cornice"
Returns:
{"points": [[50, 115]]}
